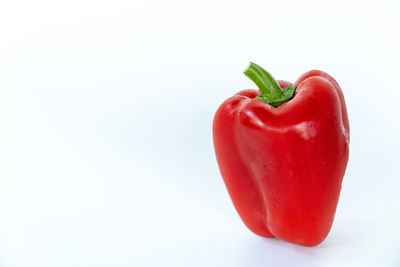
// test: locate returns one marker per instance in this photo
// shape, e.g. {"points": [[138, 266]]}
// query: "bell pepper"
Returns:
{"points": [[282, 151]]}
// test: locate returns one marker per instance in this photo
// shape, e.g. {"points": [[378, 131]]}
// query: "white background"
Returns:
{"points": [[106, 155]]}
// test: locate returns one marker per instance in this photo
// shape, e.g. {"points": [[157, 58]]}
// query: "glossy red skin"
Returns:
{"points": [[283, 167]]}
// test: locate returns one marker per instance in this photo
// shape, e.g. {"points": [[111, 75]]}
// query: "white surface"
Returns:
{"points": [[106, 154]]}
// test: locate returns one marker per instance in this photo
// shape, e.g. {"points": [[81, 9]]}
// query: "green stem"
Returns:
{"points": [[271, 92], [268, 86]]}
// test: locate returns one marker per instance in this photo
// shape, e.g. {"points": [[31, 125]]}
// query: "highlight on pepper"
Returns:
{"points": [[282, 151]]}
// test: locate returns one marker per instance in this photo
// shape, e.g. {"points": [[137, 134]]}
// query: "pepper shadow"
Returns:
{"points": [[275, 252]]}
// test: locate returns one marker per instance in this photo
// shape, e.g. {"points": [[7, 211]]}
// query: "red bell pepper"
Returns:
{"points": [[283, 154]]}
